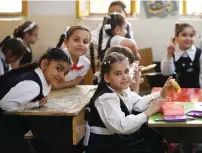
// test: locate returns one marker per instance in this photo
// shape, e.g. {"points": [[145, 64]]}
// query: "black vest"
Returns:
{"points": [[10, 82], [187, 71], [26, 58], [94, 118], [128, 32]]}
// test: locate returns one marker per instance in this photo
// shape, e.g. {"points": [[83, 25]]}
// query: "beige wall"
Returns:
{"points": [[53, 16]]}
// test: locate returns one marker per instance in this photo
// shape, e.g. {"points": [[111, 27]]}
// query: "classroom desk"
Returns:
{"points": [[188, 132], [186, 94], [62, 116]]}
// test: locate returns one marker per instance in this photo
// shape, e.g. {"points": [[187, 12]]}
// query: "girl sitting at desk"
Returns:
{"points": [[113, 127], [25, 88], [76, 41]]}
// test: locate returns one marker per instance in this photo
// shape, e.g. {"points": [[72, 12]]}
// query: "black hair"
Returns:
{"points": [[123, 50], [14, 45], [70, 32], [26, 27], [105, 68], [179, 27], [92, 58], [120, 3], [54, 54], [112, 20]]}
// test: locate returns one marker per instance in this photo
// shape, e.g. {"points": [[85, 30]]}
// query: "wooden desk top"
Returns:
{"points": [[64, 102], [191, 123], [186, 95]]}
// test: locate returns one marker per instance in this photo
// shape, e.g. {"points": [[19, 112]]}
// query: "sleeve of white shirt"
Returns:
{"points": [[86, 66], [200, 74], [116, 40], [19, 96], [141, 104], [167, 66], [108, 107], [1, 68]]}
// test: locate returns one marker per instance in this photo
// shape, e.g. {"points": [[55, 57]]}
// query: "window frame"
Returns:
{"points": [[80, 14], [24, 11]]}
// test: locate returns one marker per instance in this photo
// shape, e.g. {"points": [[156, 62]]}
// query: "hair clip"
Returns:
{"points": [[108, 17], [109, 62], [19, 39], [107, 26], [105, 63], [29, 27]]}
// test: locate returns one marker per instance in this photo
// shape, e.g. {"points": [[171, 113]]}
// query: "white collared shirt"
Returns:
{"points": [[168, 66], [73, 74], [108, 107], [19, 96], [2, 56]]}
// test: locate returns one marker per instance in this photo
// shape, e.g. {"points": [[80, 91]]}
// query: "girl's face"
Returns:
{"points": [[117, 8], [9, 58], [186, 38], [118, 77], [55, 71], [78, 42], [121, 30], [31, 38]]}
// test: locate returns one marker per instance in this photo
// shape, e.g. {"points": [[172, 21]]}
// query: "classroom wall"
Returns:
{"points": [[53, 16]]}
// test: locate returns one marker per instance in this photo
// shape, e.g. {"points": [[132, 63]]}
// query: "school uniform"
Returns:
{"points": [[4, 66], [27, 57], [80, 69], [186, 66], [114, 128], [19, 91], [95, 33]]}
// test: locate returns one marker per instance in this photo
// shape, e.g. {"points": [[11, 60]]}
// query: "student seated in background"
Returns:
{"points": [[183, 59], [115, 6], [28, 32], [11, 49], [113, 127], [127, 53], [76, 41], [114, 25], [25, 88]]}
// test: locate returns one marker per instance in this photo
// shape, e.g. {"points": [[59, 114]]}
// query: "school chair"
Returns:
{"points": [[152, 78]]}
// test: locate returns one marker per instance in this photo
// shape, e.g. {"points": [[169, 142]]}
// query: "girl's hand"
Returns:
{"points": [[43, 101], [170, 50], [74, 82], [167, 88], [155, 106]]}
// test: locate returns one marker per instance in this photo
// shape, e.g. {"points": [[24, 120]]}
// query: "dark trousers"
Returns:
{"points": [[12, 130]]}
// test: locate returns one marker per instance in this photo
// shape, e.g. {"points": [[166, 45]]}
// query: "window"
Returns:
{"points": [[87, 7], [190, 7], [13, 7]]}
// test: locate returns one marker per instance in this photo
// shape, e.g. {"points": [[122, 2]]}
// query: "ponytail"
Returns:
{"points": [[62, 38], [92, 57], [100, 42]]}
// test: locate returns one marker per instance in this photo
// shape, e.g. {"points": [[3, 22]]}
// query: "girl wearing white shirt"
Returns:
{"points": [[184, 59], [115, 6], [114, 25], [76, 40], [113, 127], [11, 49], [25, 88], [28, 32]]}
